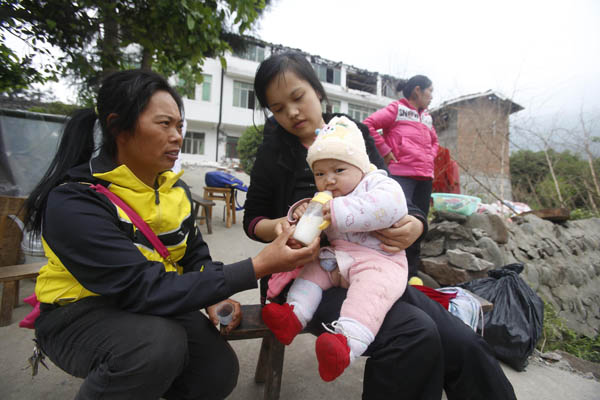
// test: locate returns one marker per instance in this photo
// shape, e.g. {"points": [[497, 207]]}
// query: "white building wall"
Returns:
{"points": [[203, 116]]}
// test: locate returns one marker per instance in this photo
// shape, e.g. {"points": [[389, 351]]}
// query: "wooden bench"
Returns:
{"points": [[269, 367], [206, 215], [10, 277]]}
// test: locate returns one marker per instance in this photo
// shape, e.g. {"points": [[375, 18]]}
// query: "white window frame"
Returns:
{"points": [[253, 52], [193, 143], [322, 72], [359, 112], [242, 93], [206, 88], [335, 106]]}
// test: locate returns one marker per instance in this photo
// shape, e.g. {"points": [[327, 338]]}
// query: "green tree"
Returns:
{"points": [[97, 37], [533, 183], [527, 168], [248, 145], [56, 107]]}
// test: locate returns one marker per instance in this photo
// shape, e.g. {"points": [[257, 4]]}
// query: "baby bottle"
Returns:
{"points": [[311, 223]]}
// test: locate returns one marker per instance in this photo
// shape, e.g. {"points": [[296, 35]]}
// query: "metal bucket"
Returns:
{"points": [[31, 246]]}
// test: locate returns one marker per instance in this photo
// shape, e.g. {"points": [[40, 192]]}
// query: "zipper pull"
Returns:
{"points": [[156, 197]]}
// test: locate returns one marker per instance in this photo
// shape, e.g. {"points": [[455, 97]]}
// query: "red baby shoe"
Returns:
{"points": [[282, 321], [333, 355]]}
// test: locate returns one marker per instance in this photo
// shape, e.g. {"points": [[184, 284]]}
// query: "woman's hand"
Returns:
{"points": [[236, 316], [400, 235], [265, 229], [389, 157], [283, 225], [278, 256]]}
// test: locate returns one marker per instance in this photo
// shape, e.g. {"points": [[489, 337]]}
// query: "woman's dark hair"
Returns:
{"points": [[124, 94], [407, 87], [274, 67]]}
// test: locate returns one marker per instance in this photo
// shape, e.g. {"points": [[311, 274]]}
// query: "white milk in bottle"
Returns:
{"points": [[311, 223]]}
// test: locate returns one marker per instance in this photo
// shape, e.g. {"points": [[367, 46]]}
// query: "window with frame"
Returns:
{"points": [[252, 52], [206, 87], [193, 143], [231, 147], [328, 74], [334, 106], [358, 112], [389, 90], [243, 95]]}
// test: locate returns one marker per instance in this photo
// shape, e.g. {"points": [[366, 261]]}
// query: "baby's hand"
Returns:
{"points": [[327, 211], [299, 211]]}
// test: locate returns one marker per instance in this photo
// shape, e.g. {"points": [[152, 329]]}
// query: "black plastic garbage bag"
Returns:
{"points": [[515, 324]]}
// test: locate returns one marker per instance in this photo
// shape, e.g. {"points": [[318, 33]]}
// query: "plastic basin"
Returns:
{"points": [[457, 203]]}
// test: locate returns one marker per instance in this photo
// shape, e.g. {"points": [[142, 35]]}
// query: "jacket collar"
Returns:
{"points": [[405, 102], [104, 167]]}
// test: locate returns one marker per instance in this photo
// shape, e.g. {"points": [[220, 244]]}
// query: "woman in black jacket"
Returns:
{"points": [[118, 309], [421, 348]]}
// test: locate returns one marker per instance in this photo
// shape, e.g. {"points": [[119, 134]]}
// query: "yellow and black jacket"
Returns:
{"points": [[93, 249]]}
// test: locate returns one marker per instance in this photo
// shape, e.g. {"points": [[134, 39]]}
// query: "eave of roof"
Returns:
{"points": [[514, 107]]}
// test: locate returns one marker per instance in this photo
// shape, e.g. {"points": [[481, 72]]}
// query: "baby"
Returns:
{"points": [[364, 200]]}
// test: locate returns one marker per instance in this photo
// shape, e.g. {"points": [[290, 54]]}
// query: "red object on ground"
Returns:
{"points": [[333, 355], [446, 178]]}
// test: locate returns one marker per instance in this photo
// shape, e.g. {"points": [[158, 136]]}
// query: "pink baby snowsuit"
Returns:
{"points": [[375, 279]]}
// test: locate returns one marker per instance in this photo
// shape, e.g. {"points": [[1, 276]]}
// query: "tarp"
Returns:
{"points": [[28, 141], [446, 178]]}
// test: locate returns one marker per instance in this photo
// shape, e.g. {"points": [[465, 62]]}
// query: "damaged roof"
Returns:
{"points": [[491, 94]]}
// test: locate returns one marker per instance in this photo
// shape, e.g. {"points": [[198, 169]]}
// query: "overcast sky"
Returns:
{"points": [[545, 55]]}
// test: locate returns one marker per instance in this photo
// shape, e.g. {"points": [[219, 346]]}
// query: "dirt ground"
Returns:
{"points": [[541, 380]]}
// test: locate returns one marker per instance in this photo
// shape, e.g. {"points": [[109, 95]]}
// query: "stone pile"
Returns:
{"points": [[562, 261]]}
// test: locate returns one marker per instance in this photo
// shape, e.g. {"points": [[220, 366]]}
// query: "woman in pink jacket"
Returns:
{"points": [[408, 144]]}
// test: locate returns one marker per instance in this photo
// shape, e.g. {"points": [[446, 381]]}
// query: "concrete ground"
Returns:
{"points": [[300, 376]]}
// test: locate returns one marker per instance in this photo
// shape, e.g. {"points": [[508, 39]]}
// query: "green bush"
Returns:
{"points": [[556, 336], [582, 213], [248, 145], [56, 107]]}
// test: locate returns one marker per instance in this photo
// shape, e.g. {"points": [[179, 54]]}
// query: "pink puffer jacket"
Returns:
{"points": [[410, 135]]}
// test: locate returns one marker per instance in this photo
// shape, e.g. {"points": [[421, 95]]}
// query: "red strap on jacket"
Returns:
{"points": [[137, 221]]}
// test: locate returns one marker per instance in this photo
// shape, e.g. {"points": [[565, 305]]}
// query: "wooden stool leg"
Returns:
{"points": [[228, 208], [260, 375], [206, 211], [274, 370], [201, 217], [233, 204], [16, 293], [209, 214], [9, 293]]}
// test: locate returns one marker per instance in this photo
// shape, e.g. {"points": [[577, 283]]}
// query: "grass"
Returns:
{"points": [[557, 336]]}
